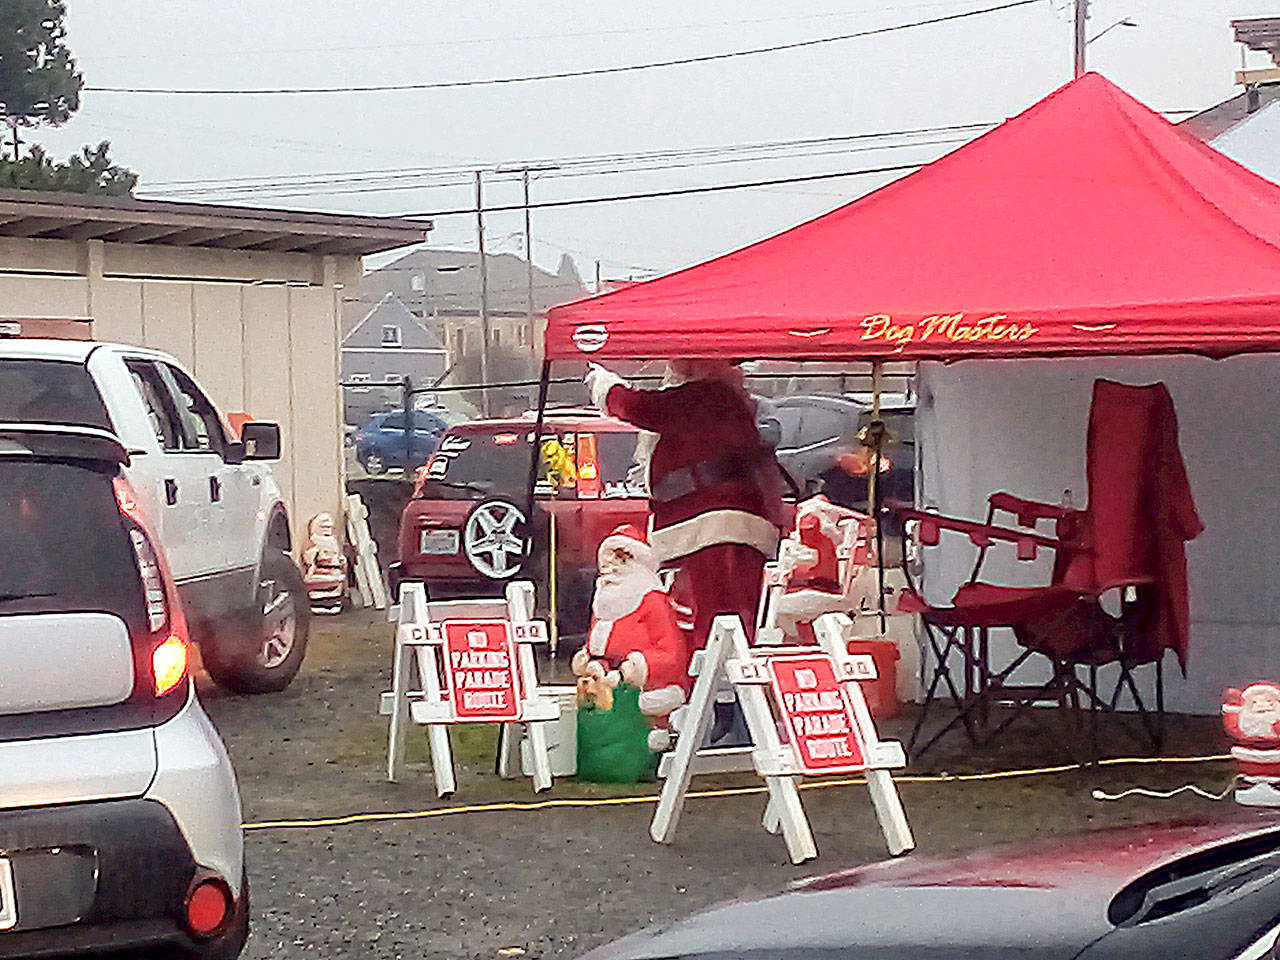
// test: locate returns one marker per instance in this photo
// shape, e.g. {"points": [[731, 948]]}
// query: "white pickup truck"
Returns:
{"points": [[216, 507]]}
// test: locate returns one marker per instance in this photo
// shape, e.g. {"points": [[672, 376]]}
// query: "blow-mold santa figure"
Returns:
{"points": [[715, 489], [1252, 720], [634, 636]]}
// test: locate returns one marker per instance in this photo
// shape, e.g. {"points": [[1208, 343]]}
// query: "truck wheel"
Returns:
{"points": [[374, 465], [264, 652]]}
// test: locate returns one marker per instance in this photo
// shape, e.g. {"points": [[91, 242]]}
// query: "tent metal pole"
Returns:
{"points": [[873, 484], [535, 454]]}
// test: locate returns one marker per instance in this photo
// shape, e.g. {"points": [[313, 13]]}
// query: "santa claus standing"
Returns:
{"points": [[715, 488], [633, 635]]}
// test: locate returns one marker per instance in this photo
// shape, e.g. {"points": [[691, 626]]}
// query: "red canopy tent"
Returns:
{"points": [[1086, 225]]}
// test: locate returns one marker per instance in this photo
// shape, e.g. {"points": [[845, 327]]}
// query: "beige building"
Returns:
{"points": [[249, 300]]}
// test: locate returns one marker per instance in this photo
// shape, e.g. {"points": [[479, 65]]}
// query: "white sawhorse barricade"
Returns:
{"points": [[484, 651], [829, 730]]}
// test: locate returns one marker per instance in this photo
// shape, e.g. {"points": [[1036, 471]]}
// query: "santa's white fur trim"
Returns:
{"points": [[715, 527], [598, 638], [659, 740], [635, 669], [660, 702], [600, 381]]}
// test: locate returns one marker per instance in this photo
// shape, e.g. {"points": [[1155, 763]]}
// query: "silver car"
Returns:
{"points": [[119, 812]]}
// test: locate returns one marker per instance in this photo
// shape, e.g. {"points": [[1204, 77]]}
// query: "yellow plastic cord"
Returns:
{"points": [[532, 805]]}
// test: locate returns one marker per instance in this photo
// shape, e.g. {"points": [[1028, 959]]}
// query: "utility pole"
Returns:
{"points": [[528, 257], [485, 405], [597, 276], [1082, 14]]}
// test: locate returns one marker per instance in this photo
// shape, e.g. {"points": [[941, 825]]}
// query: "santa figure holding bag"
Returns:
{"points": [[634, 636]]}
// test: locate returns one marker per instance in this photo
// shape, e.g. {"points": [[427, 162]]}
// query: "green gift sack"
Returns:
{"points": [[613, 745]]}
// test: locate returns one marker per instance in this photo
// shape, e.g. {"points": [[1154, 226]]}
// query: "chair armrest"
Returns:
{"points": [[1029, 511], [930, 526]]}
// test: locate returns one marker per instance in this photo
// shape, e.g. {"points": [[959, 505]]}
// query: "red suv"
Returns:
{"points": [[462, 529]]}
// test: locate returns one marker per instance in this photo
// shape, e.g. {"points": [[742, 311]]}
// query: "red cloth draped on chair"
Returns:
{"points": [[1130, 538]]}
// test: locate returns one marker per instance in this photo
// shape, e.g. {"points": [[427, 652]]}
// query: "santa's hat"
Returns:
{"points": [[631, 540]]}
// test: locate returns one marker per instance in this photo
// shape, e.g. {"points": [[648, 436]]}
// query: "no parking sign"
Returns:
{"points": [[818, 714], [480, 674]]}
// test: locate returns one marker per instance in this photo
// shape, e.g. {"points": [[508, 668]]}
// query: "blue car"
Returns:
{"points": [[383, 442]]}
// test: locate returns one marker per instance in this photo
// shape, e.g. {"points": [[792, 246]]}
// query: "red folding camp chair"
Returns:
{"points": [[1118, 590]]}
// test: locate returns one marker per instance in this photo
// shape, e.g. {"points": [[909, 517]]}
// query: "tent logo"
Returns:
{"points": [[590, 337]]}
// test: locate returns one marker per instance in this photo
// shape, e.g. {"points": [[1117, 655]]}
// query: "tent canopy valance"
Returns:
{"points": [[1086, 225]]}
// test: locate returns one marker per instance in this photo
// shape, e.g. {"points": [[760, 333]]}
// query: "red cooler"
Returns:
{"points": [[881, 693]]}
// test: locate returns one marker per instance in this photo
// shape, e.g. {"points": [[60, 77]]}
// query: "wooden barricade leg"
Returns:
{"points": [[696, 721], [437, 733], [399, 725], [520, 599], [832, 631], [784, 798]]}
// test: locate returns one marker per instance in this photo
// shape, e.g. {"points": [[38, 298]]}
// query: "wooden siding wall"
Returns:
{"points": [[267, 347]]}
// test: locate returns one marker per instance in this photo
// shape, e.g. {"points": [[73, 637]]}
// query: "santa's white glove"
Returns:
{"points": [[635, 670], [579, 662], [599, 382]]}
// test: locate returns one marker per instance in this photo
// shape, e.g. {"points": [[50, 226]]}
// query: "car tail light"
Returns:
{"points": [[169, 664], [503, 439], [208, 907], [588, 467], [165, 623]]}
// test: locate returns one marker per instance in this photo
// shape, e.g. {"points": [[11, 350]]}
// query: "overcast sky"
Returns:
{"points": [[1179, 57]]}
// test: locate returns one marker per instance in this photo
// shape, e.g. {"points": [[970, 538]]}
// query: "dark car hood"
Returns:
{"points": [[1045, 900]]}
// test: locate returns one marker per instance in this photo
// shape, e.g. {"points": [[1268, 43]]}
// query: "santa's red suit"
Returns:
{"points": [[714, 487], [633, 628]]}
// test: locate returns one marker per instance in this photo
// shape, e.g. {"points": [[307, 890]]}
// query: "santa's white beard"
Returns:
{"points": [[1257, 724], [621, 594]]}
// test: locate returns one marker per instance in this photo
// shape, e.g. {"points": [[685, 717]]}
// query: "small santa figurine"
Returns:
{"points": [[1252, 720], [324, 566], [634, 636]]}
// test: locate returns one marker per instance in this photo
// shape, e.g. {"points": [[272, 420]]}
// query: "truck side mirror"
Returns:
{"points": [[260, 440]]}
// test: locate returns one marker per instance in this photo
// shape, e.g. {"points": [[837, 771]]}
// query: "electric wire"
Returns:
{"points": [[537, 805], [563, 74]]}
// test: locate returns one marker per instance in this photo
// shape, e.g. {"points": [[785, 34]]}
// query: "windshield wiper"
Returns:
{"points": [[6, 597]]}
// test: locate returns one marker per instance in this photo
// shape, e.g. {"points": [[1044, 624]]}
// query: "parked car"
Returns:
{"points": [[462, 528], [119, 811], [819, 446], [1170, 891], [383, 442], [211, 497]]}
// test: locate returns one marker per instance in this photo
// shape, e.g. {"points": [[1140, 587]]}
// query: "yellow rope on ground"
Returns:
{"points": [[530, 805]]}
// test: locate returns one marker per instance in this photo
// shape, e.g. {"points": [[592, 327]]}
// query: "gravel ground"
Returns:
{"points": [[555, 882]]}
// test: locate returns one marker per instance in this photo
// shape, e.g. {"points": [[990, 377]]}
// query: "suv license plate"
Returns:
{"points": [[8, 903], [438, 541]]}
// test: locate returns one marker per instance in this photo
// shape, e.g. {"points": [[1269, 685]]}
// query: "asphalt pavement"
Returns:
{"points": [[552, 883]]}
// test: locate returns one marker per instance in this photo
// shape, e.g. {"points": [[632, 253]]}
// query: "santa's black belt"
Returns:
{"points": [[699, 476]]}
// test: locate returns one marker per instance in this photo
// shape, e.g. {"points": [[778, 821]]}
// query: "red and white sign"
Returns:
{"points": [[817, 712], [480, 670]]}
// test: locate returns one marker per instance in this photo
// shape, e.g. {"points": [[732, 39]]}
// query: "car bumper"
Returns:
{"points": [[93, 876]]}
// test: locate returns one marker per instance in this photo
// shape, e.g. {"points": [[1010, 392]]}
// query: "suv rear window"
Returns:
{"points": [[472, 465], [65, 547], [49, 391]]}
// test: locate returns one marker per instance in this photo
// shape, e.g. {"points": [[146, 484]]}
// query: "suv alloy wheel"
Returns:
{"points": [[491, 539]]}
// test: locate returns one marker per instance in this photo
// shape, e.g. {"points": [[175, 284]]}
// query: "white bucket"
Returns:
{"points": [[562, 735]]}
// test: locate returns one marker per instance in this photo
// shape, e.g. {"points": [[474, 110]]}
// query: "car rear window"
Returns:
{"points": [[472, 465], [49, 391], [65, 547]]}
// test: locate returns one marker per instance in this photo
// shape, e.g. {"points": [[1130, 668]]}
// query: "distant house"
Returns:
{"points": [[386, 346], [1261, 85], [442, 288]]}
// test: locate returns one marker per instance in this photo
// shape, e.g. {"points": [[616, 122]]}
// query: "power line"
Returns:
{"points": [[564, 74], [681, 191]]}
